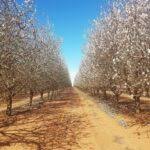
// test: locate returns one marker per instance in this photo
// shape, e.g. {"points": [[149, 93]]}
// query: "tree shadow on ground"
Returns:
{"points": [[127, 108], [48, 127]]}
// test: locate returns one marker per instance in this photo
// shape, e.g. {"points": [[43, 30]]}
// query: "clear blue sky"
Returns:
{"points": [[71, 20]]}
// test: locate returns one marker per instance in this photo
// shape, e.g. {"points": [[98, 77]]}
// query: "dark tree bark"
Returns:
{"points": [[97, 92], [104, 94], [116, 100], [137, 103], [136, 97], [129, 91], [48, 95], [9, 105], [31, 97], [52, 94], [147, 91], [41, 93]]}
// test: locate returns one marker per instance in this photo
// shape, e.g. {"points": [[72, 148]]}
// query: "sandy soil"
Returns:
{"points": [[72, 122], [106, 132]]}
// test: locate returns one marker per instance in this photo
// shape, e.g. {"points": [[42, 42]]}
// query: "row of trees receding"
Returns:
{"points": [[117, 53], [30, 56]]}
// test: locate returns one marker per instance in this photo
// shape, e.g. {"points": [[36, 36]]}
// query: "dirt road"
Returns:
{"points": [[72, 122], [105, 131]]}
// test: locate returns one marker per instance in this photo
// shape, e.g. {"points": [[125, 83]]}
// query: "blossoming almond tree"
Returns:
{"points": [[118, 45], [29, 55]]}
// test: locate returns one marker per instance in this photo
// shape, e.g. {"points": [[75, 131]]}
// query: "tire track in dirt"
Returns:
{"points": [[105, 133]]}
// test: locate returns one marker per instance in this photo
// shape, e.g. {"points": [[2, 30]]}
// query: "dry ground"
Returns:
{"points": [[73, 122]]}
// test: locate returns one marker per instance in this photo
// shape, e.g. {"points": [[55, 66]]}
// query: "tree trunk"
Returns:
{"points": [[31, 97], [42, 96], [9, 105], [99, 95], [147, 92], [52, 93], [116, 100], [137, 103], [97, 92], [104, 95], [48, 97], [129, 91], [57, 93], [94, 92]]}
